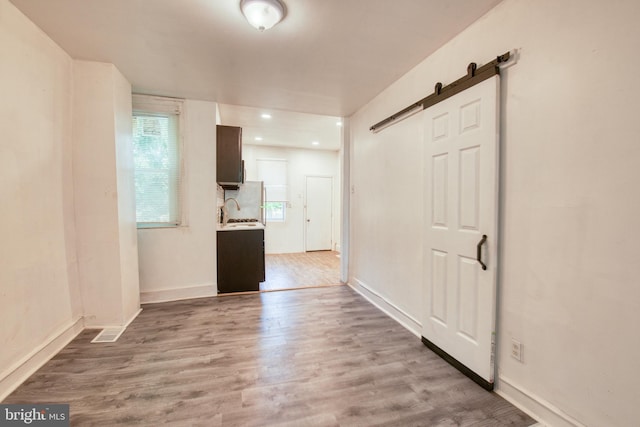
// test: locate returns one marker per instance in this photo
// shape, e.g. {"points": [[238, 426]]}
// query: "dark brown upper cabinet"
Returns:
{"points": [[229, 167]]}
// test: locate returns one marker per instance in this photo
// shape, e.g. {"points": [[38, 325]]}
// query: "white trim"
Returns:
{"points": [[412, 324], [127, 323], [183, 133], [344, 232], [176, 294], [132, 318], [15, 375], [540, 409]]}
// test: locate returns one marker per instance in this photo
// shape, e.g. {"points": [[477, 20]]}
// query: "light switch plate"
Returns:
{"points": [[516, 350]]}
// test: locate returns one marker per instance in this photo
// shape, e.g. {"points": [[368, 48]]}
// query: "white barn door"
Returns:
{"points": [[461, 206]]}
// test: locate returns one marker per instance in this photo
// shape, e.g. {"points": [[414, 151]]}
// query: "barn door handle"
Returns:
{"points": [[479, 252]]}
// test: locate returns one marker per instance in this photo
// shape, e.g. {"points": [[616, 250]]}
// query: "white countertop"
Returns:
{"points": [[235, 226]]}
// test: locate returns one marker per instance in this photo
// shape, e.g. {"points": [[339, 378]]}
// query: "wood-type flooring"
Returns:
{"points": [[301, 270], [308, 357]]}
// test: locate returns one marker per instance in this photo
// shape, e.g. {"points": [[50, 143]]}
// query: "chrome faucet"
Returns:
{"points": [[225, 212]]}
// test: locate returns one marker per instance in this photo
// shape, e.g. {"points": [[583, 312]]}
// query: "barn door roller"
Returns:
{"points": [[474, 76]]}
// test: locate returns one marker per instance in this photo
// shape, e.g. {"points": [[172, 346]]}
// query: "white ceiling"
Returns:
{"points": [[327, 57], [283, 128]]}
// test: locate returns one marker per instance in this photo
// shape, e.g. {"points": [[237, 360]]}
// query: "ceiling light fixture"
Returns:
{"points": [[262, 14], [315, 143], [258, 138], [266, 116], [338, 123]]}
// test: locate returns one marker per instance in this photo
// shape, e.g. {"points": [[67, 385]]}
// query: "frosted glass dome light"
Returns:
{"points": [[262, 14]]}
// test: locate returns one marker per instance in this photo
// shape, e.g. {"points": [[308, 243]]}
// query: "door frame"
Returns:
{"points": [[344, 201]]}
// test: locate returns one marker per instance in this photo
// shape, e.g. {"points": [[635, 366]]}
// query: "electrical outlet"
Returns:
{"points": [[516, 350]]}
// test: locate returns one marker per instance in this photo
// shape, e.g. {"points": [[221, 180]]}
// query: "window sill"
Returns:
{"points": [[153, 225]]}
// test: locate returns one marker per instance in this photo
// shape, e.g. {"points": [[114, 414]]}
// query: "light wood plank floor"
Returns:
{"points": [[301, 270], [310, 357]]}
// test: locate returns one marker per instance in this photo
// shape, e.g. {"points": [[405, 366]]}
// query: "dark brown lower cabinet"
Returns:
{"points": [[240, 260]]}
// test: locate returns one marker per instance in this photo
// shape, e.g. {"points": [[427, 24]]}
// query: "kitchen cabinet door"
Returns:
{"points": [[240, 260], [229, 167]]}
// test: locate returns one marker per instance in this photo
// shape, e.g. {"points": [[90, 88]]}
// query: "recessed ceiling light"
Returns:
{"points": [[258, 138], [266, 116], [338, 123], [315, 143]]}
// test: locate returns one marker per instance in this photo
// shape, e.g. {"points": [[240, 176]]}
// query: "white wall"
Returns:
{"points": [[181, 262], [568, 281], [69, 244], [39, 295], [288, 237], [103, 191], [386, 210], [127, 228]]}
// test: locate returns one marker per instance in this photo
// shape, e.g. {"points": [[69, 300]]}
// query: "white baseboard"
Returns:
{"points": [[175, 294], [126, 324], [16, 374], [105, 326], [132, 318], [412, 324], [538, 408], [543, 411]]}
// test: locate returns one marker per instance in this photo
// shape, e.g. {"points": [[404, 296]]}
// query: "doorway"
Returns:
{"points": [[319, 264], [310, 145]]}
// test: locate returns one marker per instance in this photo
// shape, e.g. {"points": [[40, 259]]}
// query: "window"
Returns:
{"points": [[274, 211], [274, 174], [156, 156]]}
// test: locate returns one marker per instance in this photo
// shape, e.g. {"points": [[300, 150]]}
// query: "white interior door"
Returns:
{"points": [[318, 213], [461, 174]]}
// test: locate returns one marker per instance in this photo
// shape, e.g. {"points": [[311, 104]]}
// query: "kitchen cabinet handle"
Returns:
{"points": [[479, 251]]}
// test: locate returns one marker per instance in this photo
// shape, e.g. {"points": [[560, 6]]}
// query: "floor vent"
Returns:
{"points": [[108, 335]]}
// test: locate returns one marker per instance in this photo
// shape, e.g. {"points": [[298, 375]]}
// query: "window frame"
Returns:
{"points": [[165, 107]]}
